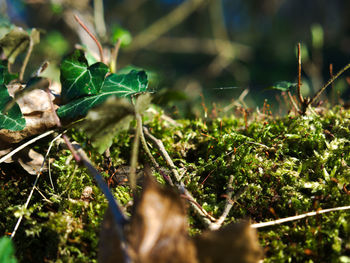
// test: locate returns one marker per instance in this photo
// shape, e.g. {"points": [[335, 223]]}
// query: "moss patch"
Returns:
{"points": [[282, 166]]}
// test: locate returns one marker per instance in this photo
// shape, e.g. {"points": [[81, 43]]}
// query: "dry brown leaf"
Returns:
{"points": [[36, 109], [158, 228], [234, 243], [30, 160], [158, 233]]}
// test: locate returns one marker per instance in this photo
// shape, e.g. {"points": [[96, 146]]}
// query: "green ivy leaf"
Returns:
{"points": [[13, 118], [7, 250], [5, 75], [78, 79], [105, 121], [120, 86], [126, 84], [283, 86]]}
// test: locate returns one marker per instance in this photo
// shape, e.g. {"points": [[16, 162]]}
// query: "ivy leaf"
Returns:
{"points": [[5, 76], [78, 79], [127, 84], [105, 121], [13, 118], [114, 85], [283, 86]]}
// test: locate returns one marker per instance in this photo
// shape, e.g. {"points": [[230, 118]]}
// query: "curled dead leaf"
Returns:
{"points": [[157, 232], [36, 109], [236, 242], [158, 227]]}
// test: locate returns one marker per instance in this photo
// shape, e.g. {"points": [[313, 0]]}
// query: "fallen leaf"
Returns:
{"points": [[158, 227], [37, 112], [157, 232], [30, 160], [236, 242]]}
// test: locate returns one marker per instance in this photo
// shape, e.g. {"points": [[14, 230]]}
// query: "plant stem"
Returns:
{"points": [[148, 152], [164, 153], [34, 186], [114, 56], [26, 59], [92, 36], [301, 99], [134, 154], [295, 105]]}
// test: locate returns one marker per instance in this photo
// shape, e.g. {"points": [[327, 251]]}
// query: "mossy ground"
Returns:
{"points": [[283, 166]]}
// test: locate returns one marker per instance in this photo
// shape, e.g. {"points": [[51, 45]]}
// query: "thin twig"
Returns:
{"points": [[331, 72], [134, 152], [206, 218], [26, 59], [92, 36], [301, 99], [295, 105], [34, 186], [59, 125], [164, 153], [10, 154], [225, 56], [293, 218], [148, 152], [332, 85], [229, 203], [329, 82]]}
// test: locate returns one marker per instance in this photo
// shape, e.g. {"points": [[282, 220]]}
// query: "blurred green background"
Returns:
{"points": [[209, 47]]}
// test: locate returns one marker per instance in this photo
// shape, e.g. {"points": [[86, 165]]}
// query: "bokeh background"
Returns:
{"points": [[199, 50]]}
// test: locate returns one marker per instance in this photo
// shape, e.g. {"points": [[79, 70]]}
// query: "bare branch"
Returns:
{"points": [[298, 217], [164, 153]]}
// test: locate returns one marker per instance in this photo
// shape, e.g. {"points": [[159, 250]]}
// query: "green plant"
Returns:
{"points": [[229, 167]]}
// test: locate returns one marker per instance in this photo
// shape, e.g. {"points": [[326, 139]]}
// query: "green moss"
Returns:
{"points": [[284, 166]]}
